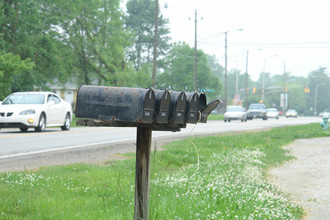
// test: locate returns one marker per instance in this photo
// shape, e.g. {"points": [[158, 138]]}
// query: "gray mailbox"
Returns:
{"points": [[117, 104], [196, 102], [178, 107], [162, 108]]}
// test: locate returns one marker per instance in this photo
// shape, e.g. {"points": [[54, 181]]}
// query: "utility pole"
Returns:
{"points": [[195, 54], [284, 97], [155, 46], [226, 33], [246, 79]]}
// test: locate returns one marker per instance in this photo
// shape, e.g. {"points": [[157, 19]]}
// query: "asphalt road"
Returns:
{"points": [[14, 143]]}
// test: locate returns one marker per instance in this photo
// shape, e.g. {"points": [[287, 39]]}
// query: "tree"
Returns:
{"points": [[94, 31], [28, 31], [11, 66], [180, 71], [321, 79], [140, 21]]}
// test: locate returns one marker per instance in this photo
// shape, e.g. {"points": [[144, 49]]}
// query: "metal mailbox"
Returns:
{"points": [[117, 104], [177, 107], [136, 107], [162, 108], [196, 102]]}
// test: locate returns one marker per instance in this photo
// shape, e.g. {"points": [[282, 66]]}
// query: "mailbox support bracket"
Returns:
{"points": [[107, 123]]}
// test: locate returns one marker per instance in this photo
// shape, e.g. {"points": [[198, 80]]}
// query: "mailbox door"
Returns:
{"points": [[178, 107], [162, 106]]}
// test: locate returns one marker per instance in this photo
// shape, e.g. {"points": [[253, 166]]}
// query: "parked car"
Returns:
{"points": [[257, 110], [36, 110], [291, 113], [272, 113], [235, 113]]}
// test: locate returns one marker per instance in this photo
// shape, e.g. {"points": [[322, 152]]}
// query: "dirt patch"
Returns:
{"points": [[307, 178]]}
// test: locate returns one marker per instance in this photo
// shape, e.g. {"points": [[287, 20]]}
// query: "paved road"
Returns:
{"points": [[15, 143]]}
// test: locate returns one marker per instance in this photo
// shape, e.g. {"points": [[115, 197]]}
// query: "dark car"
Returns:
{"points": [[257, 110]]}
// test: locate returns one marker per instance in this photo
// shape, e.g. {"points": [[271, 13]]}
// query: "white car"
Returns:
{"points": [[291, 113], [235, 113], [272, 113], [36, 110]]}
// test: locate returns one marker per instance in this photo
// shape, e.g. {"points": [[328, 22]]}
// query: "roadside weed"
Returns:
{"points": [[229, 182]]}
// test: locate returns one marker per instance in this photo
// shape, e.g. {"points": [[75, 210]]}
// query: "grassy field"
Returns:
{"points": [[222, 177], [215, 117]]}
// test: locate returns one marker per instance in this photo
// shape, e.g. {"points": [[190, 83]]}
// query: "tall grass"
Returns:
{"points": [[229, 182]]}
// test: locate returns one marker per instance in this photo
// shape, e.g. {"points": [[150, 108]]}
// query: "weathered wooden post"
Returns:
{"points": [[142, 172], [147, 110]]}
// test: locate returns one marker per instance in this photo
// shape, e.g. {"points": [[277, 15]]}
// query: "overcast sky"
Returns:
{"points": [[294, 31]]}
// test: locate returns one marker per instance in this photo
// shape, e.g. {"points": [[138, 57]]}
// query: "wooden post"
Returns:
{"points": [[142, 170]]}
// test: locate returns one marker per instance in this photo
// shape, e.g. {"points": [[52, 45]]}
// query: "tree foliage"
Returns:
{"points": [[140, 22], [179, 74], [10, 67]]}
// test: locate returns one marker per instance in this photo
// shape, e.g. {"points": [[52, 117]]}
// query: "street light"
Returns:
{"points": [[247, 78], [226, 33], [263, 79], [315, 101]]}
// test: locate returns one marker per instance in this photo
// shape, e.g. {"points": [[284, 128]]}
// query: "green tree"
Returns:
{"points": [[28, 31], [318, 79], [179, 74], [11, 66], [94, 31], [140, 21]]}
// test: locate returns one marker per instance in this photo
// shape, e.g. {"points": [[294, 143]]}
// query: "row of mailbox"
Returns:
{"points": [[137, 105]]}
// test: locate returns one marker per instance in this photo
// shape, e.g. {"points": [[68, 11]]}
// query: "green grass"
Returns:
{"points": [[215, 117], [74, 120], [227, 183]]}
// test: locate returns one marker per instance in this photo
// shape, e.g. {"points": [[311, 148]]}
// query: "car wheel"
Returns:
{"points": [[42, 123], [23, 129], [67, 123], [225, 120], [228, 120], [242, 120]]}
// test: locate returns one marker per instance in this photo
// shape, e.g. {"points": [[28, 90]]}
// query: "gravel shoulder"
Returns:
{"points": [[307, 178]]}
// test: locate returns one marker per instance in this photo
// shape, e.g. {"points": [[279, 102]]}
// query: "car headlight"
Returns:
{"points": [[28, 112]]}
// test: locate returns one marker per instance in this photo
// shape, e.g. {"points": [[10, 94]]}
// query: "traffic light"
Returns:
{"points": [[134, 107], [254, 90], [306, 90]]}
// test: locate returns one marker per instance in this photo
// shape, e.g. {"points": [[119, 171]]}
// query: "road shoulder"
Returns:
{"points": [[307, 178]]}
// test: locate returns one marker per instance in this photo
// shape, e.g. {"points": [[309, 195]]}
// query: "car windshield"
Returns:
{"points": [[234, 109], [24, 99], [256, 107]]}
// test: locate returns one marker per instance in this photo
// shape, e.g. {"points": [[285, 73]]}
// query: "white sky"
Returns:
{"points": [[294, 31]]}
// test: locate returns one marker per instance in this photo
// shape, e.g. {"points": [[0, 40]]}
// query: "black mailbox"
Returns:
{"points": [[116, 104], [162, 108], [196, 102], [136, 107], [177, 107]]}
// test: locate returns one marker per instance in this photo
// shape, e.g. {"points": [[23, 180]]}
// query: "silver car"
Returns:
{"points": [[272, 113], [291, 113], [36, 110], [235, 113]]}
